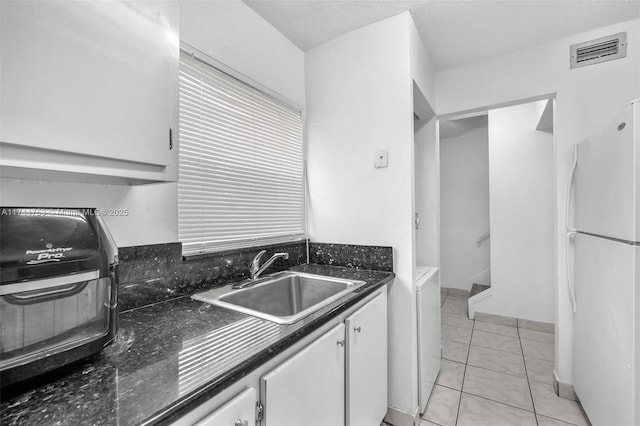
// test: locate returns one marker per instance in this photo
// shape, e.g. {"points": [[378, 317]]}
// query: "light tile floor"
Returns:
{"points": [[496, 374]]}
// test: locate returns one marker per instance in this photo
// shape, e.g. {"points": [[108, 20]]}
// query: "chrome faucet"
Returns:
{"points": [[255, 270]]}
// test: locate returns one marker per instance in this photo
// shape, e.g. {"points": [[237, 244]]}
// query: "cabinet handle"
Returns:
{"points": [[341, 343], [170, 138], [241, 422], [357, 329]]}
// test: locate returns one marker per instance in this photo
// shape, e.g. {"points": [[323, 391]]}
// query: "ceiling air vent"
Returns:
{"points": [[599, 50]]}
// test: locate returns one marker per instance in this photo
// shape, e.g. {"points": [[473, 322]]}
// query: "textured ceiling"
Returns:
{"points": [[455, 32]]}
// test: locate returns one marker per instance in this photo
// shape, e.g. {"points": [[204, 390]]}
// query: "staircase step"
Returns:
{"points": [[478, 288]]}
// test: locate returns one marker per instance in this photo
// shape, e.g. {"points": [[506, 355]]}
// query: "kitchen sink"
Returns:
{"points": [[285, 297]]}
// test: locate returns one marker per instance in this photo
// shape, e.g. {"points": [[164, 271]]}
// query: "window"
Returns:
{"points": [[241, 177]]}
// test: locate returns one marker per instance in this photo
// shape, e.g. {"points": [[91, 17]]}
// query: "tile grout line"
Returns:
{"points": [[526, 372], [500, 334], [537, 357], [496, 371], [536, 381], [503, 403], [448, 387], [500, 372], [464, 374], [495, 349], [541, 359], [483, 331], [537, 341], [449, 325], [538, 330], [466, 363]]}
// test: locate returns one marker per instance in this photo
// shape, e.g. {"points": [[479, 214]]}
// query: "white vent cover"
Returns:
{"points": [[599, 50]]}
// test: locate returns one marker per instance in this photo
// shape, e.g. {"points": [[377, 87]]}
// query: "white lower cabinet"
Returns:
{"points": [[366, 332], [308, 389], [239, 411], [338, 379]]}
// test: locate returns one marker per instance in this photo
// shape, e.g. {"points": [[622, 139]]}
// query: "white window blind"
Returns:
{"points": [[241, 179]]}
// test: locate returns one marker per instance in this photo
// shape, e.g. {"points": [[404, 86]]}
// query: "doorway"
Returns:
{"points": [[464, 179], [507, 183]]}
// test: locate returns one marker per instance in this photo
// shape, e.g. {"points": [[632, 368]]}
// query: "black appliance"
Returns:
{"points": [[58, 289]]}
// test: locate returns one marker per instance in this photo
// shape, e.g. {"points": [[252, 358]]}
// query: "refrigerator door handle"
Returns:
{"points": [[568, 192], [570, 284]]}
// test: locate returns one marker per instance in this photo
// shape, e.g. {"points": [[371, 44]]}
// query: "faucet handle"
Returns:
{"points": [[255, 263]]}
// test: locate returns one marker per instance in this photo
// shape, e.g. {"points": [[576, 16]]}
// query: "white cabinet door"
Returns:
{"points": [[308, 389], [366, 332], [91, 78], [239, 411]]}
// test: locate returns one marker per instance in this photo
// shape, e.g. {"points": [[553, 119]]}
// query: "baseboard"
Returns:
{"points": [[563, 390], [475, 299], [397, 417], [482, 277], [547, 327], [496, 319]]}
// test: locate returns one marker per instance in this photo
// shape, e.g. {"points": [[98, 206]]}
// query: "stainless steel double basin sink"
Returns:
{"points": [[285, 297]]}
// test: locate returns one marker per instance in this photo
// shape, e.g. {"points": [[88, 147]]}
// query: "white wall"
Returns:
{"points": [[151, 215], [586, 98], [359, 100], [425, 172], [522, 215], [464, 180], [233, 34], [421, 68]]}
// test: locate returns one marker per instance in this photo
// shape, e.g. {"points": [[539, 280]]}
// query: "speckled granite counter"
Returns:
{"points": [[156, 370]]}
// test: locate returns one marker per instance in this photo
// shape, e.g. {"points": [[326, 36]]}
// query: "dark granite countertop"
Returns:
{"points": [[167, 360]]}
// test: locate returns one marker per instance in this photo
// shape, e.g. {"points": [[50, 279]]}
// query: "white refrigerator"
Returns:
{"points": [[606, 282]]}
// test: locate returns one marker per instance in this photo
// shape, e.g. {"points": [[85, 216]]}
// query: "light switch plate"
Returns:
{"points": [[382, 158]]}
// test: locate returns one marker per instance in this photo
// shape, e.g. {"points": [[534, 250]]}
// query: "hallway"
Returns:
{"points": [[496, 371]]}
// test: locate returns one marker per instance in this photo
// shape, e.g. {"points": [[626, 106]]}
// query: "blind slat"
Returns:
{"points": [[240, 164]]}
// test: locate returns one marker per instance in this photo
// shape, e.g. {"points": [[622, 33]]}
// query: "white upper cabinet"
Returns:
{"points": [[94, 80]]}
